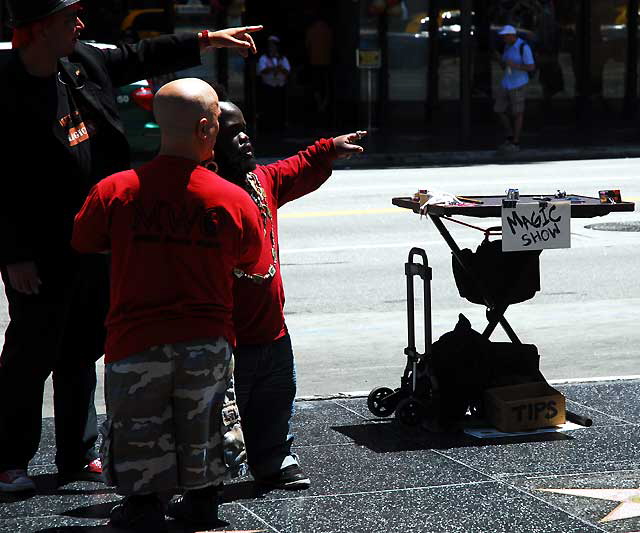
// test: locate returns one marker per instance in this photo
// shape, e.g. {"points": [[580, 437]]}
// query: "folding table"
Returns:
{"points": [[491, 206]]}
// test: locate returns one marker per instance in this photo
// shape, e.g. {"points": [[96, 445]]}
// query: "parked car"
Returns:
{"points": [[135, 104], [145, 23]]}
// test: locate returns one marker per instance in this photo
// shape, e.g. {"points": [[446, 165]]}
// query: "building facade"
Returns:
{"points": [[437, 71], [426, 72]]}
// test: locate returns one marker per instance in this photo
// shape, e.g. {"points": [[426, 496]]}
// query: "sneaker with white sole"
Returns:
{"points": [[92, 471], [16, 480], [290, 477]]}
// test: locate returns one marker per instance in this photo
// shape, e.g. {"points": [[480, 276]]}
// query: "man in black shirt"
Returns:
{"points": [[62, 134]]}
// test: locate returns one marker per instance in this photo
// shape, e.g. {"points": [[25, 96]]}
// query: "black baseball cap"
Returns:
{"points": [[23, 12]]}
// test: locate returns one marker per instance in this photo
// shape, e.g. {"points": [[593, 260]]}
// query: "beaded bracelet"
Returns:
{"points": [[204, 38]]}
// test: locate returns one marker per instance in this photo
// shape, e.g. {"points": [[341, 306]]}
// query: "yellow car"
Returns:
{"points": [[145, 23]]}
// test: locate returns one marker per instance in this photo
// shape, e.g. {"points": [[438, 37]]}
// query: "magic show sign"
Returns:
{"points": [[535, 225]]}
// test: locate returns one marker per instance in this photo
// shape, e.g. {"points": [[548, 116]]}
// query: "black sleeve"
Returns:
{"points": [[17, 240], [151, 57]]}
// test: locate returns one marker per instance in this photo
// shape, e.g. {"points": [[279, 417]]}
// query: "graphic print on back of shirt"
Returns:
{"points": [[171, 223]]}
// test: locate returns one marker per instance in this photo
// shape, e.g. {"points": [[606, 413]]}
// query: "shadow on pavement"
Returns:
{"points": [[98, 511], [244, 490], [419, 439]]}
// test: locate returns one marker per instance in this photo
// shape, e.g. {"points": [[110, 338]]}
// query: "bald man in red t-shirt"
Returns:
{"points": [[176, 232]]}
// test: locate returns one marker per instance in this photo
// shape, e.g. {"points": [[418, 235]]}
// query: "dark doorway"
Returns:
{"points": [[309, 33]]}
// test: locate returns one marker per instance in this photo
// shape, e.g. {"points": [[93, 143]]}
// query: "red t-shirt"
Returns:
{"points": [[259, 308], [176, 231]]}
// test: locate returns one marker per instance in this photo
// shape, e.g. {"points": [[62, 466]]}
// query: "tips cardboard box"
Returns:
{"points": [[524, 407]]}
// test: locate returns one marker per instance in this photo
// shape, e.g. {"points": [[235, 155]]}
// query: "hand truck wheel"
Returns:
{"points": [[377, 404], [410, 412]]}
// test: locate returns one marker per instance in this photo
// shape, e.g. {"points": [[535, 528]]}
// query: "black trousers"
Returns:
{"points": [[61, 332]]}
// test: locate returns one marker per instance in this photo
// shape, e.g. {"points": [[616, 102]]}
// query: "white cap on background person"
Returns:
{"points": [[508, 30]]}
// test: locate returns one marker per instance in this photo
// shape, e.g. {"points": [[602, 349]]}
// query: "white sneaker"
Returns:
{"points": [[15, 481]]}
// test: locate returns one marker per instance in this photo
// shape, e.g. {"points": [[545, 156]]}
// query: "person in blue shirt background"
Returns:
{"points": [[517, 61]]}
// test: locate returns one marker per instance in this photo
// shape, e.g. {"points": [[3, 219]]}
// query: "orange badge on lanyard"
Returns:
{"points": [[76, 130]]}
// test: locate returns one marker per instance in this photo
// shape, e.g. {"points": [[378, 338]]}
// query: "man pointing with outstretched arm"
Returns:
{"points": [[264, 375], [61, 134]]}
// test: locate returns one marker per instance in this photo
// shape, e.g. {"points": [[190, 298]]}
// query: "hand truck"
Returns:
{"points": [[417, 398]]}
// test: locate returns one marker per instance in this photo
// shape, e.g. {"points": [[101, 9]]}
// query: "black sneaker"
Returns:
{"points": [[196, 507], [141, 514], [289, 478]]}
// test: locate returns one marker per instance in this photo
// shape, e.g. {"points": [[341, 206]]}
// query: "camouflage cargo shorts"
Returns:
{"points": [[164, 429]]}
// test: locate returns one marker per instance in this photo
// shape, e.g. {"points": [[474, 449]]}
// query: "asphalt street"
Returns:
{"points": [[343, 249]]}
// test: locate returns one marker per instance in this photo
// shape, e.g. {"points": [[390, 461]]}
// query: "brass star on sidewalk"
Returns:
{"points": [[629, 498]]}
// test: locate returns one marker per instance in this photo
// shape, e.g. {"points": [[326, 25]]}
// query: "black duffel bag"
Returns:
{"points": [[509, 277]]}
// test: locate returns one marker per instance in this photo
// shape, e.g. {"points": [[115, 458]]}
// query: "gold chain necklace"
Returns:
{"points": [[256, 191]]}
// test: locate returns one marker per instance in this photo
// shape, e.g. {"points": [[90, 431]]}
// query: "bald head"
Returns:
{"points": [[229, 107], [187, 112], [180, 104], [234, 151]]}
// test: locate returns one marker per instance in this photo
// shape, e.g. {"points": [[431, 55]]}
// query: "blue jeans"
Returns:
{"points": [[265, 380]]}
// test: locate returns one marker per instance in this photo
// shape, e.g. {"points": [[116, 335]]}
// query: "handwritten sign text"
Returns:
{"points": [[536, 226]]}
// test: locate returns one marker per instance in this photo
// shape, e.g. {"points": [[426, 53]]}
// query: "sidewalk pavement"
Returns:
{"points": [[373, 475]]}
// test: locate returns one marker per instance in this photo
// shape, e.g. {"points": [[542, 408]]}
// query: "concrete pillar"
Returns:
{"points": [[631, 74], [465, 72], [433, 65]]}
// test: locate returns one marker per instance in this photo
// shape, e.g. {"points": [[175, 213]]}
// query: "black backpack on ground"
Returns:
{"points": [[465, 364]]}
